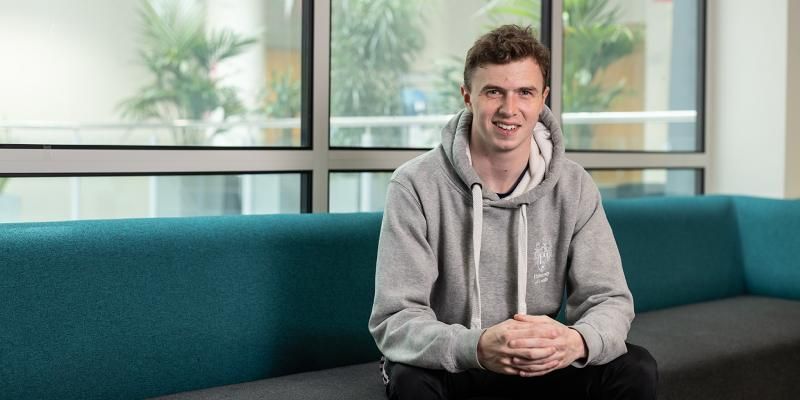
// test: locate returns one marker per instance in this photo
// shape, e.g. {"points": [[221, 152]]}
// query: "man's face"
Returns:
{"points": [[505, 100]]}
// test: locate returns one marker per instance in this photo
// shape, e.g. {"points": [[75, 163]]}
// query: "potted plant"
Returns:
{"points": [[182, 56]]}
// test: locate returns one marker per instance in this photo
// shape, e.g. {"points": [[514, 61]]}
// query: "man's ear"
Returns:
{"points": [[467, 97], [545, 94]]}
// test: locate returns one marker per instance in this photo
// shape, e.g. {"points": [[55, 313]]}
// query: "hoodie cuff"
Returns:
{"points": [[594, 345], [466, 356]]}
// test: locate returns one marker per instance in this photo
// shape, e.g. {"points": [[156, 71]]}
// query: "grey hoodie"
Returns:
{"points": [[454, 258]]}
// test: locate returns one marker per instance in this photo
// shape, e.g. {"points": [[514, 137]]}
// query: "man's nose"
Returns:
{"points": [[508, 105]]}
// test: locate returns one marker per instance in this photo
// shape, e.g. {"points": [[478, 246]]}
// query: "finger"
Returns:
{"points": [[533, 318], [505, 361], [538, 369], [513, 324], [505, 366], [520, 362], [531, 355], [525, 362], [530, 342], [533, 332], [511, 371], [525, 374], [538, 356]]}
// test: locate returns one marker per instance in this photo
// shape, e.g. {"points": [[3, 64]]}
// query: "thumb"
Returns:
{"points": [[531, 318]]}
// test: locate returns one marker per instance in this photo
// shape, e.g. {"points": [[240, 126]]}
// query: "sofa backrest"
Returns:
{"points": [[139, 308], [770, 235], [678, 250]]}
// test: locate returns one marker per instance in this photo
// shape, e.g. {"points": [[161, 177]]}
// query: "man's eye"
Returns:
{"points": [[493, 92], [526, 93]]}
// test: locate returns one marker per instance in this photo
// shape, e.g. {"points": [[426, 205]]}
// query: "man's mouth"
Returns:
{"points": [[508, 128]]}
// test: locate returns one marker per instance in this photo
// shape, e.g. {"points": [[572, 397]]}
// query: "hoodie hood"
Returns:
{"points": [[545, 162]]}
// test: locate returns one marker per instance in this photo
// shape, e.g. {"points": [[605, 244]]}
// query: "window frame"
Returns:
{"points": [[699, 173], [315, 157]]}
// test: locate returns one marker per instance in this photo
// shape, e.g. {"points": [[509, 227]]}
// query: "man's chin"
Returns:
{"points": [[505, 147]]}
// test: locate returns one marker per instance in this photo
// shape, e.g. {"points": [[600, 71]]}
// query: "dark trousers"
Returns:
{"points": [[633, 375]]}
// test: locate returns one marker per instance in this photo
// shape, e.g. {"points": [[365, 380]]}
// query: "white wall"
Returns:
{"points": [[56, 65], [245, 72], [68, 61], [793, 104], [748, 84]]}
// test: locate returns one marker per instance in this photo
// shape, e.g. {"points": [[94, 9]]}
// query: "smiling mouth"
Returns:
{"points": [[507, 128]]}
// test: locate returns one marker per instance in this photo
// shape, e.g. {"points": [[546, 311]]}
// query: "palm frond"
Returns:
{"points": [[179, 54]]}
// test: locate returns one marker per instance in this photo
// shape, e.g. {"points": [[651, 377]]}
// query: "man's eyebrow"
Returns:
{"points": [[502, 89], [492, 87], [528, 88]]}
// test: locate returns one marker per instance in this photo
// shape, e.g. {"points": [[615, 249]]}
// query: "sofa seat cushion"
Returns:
{"points": [[743, 347], [356, 382]]}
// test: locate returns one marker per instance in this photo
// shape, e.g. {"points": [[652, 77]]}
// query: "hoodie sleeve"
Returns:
{"points": [[599, 303], [404, 326]]}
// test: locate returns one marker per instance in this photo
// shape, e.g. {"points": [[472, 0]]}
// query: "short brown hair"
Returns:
{"points": [[503, 45]]}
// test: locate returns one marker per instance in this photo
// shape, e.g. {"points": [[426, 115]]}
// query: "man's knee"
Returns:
{"points": [[642, 364], [408, 382], [636, 372], [406, 375]]}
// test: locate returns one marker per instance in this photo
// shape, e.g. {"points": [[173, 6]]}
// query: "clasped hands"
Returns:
{"points": [[529, 346]]}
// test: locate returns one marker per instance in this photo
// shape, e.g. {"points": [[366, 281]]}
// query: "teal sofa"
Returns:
{"points": [[276, 307]]}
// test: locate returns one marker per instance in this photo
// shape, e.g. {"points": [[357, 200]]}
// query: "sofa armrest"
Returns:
{"points": [[769, 230]]}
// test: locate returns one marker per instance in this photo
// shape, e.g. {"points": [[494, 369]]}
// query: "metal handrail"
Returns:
{"points": [[581, 118]]}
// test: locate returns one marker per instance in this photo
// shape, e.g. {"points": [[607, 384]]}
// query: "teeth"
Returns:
{"points": [[506, 127]]}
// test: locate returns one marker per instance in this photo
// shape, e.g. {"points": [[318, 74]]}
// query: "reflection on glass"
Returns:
{"points": [[630, 75], [151, 72], [396, 66], [103, 197], [623, 183], [358, 191]]}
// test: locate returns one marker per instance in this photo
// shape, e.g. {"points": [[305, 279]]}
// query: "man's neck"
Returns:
{"points": [[499, 170]]}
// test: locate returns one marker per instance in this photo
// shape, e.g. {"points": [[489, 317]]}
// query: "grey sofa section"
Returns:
{"points": [[745, 347], [356, 382]]}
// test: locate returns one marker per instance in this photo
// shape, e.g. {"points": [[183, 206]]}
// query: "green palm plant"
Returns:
{"points": [[286, 95], [182, 57], [520, 12], [449, 70], [373, 43], [593, 40], [282, 99], [450, 73]]}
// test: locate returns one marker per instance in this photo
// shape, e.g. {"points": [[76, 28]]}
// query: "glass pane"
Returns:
{"points": [[366, 191], [621, 183], [151, 72], [397, 66], [32, 199], [358, 191], [630, 75]]}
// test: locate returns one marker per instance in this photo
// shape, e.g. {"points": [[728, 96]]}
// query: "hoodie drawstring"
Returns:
{"points": [[522, 257], [522, 260], [477, 229]]}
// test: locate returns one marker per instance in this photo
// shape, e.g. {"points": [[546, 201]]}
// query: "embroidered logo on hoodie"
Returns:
{"points": [[542, 254]]}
